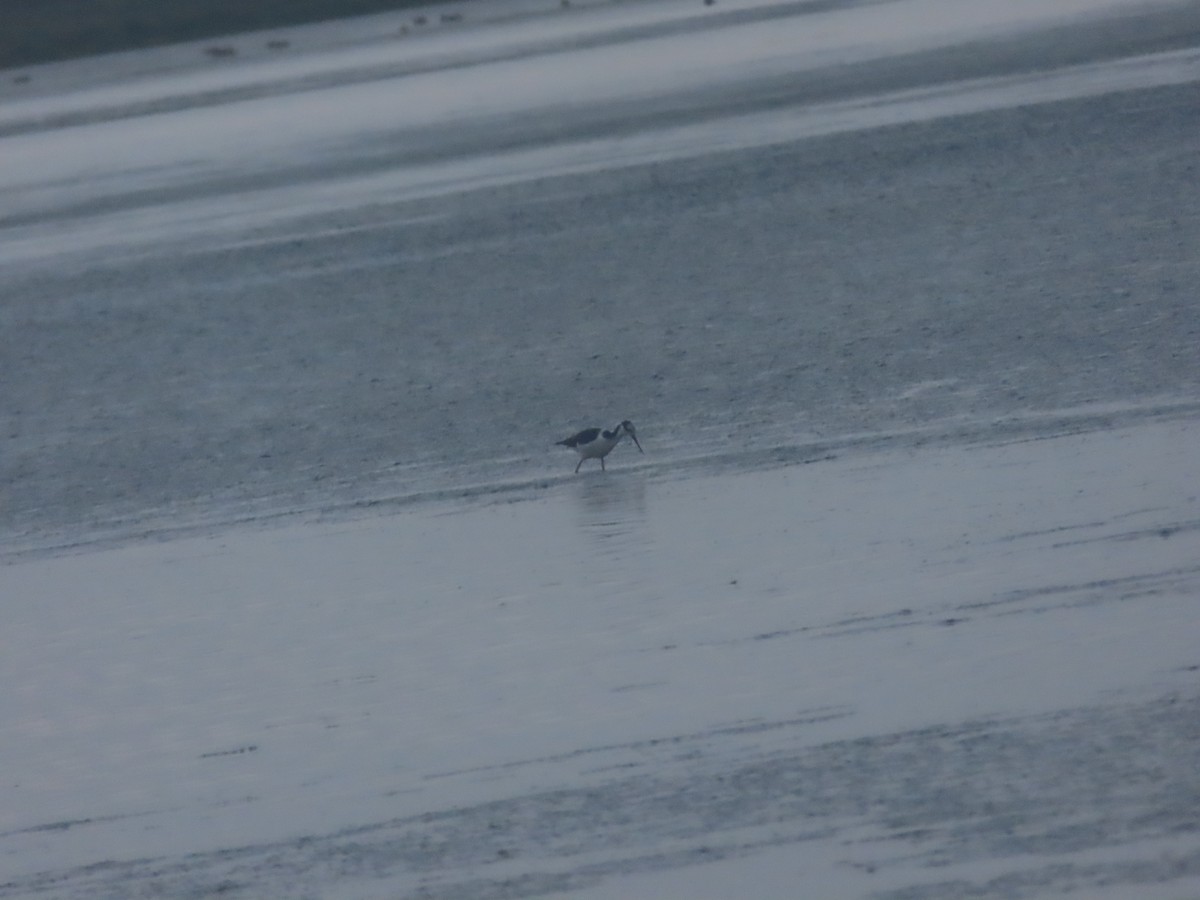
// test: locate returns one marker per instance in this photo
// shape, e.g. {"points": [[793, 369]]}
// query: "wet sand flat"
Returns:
{"points": [[300, 599], [893, 674]]}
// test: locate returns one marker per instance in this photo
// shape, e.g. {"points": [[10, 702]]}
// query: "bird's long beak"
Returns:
{"points": [[635, 440]]}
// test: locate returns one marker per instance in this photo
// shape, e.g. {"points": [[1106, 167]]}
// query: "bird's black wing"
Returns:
{"points": [[584, 437]]}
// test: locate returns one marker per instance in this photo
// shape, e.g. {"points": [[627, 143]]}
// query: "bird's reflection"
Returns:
{"points": [[612, 517]]}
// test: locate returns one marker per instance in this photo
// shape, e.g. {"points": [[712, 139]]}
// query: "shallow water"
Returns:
{"points": [[775, 298]]}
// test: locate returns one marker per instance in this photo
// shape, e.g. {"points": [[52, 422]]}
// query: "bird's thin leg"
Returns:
{"points": [[602, 469], [578, 464]]}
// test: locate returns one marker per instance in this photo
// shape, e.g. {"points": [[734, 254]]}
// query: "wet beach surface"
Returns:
{"points": [[302, 601], [940, 672]]}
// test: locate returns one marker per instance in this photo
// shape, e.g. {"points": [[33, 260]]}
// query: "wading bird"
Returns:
{"points": [[594, 443]]}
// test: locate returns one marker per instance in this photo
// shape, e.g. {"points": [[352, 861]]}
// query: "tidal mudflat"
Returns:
{"points": [[300, 600]]}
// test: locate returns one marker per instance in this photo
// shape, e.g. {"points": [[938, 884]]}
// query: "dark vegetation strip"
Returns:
{"points": [[50, 30]]}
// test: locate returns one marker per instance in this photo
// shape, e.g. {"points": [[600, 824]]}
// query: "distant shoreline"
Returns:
{"points": [[56, 30]]}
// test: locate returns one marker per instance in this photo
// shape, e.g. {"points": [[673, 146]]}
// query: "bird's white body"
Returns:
{"points": [[596, 443]]}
